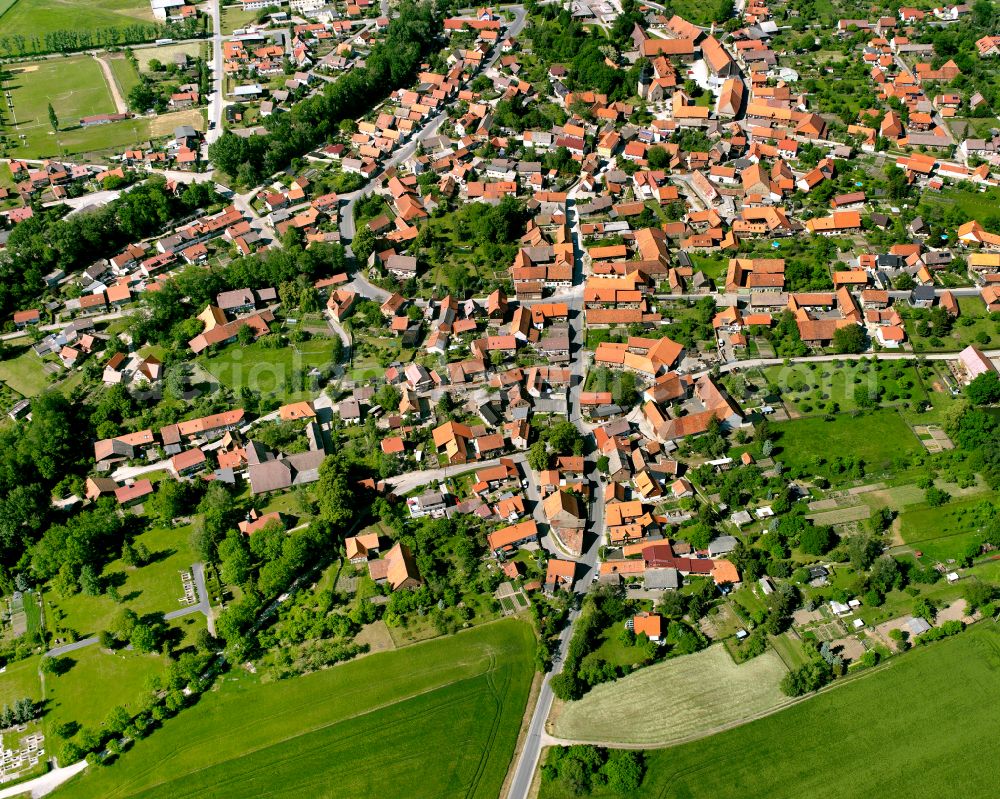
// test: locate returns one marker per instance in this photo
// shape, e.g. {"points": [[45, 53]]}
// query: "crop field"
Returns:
{"points": [[678, 699], [437, 720], [876, 438], [913, 729], [35, 18]]}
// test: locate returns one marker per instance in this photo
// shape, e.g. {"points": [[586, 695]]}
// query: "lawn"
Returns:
{"points": [[272, 372], [75, 87], [445, 712], [153, 588], [915, 728], [19, 680], [24, 374], [97, 681], [789, 649], [972, 323], [165, 53], [234, 17], [976, 204], [876, 438], [678, 699], [614, 651], [811, 387], [124, 73], [944, 532]]}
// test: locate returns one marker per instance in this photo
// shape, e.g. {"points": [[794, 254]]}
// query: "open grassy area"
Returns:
{"points": [[817, 387], [124, 73], [96, 682], [876, 438], [234, 17], [24, 374], [944, 532], [436, 720], [19, 680], [31, 18], [914, 728], [972, 324], [165, 53], [674, 700], [153, 588], [977, 204], [272, 372], [75, 87]]}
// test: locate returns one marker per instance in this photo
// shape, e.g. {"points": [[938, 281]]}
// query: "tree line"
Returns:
{"points": [[70, 39], [392, 64]]}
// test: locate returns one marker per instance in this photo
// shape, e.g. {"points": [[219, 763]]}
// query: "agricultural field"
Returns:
{"points": [[941, 700], [876, 438], [679, 699], [449, 708], [35, 18]]}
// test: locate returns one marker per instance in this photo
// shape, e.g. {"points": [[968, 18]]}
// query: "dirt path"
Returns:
{"points": [[120, 106]]}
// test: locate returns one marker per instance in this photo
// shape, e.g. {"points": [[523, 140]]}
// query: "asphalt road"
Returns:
{"points": [[216, 103]]}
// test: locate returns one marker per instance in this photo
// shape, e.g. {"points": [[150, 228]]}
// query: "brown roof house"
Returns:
{"points": [[397, 568], [361, 547]]}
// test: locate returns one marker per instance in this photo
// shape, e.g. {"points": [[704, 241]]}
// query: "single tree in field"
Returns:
{"points": [[53, 119]]}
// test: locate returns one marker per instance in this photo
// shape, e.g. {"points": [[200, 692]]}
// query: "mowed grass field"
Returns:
{"points": [[24, 374], [31, 18], [124, 73], [265, 369], [434, 720], [675, 700], [75, 87], [153, 588], [876, 438], [921, 726], [19, 680], [165, 53], [96, 682]]}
